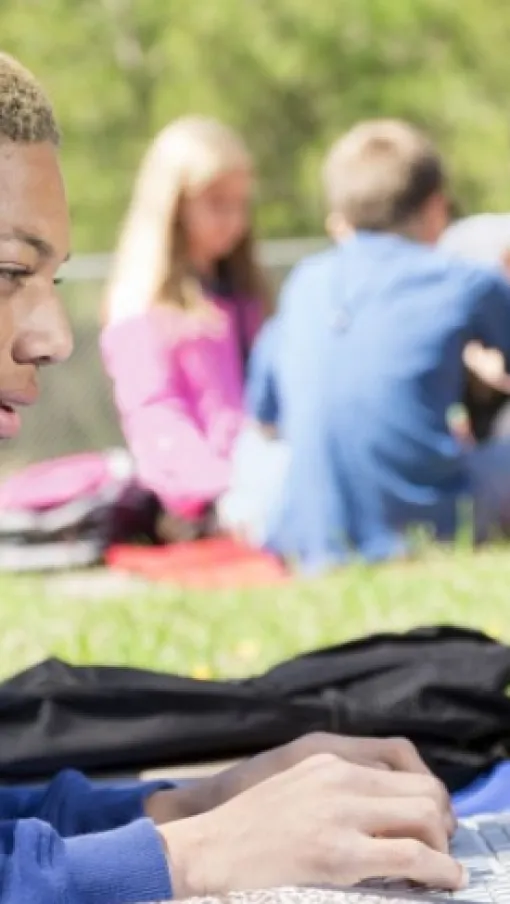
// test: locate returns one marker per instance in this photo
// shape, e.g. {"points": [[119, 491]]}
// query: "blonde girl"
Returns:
{"points": [[184, 302]]}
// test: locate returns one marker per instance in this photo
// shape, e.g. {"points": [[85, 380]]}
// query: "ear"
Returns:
{"points": [[337, 227], [437, 216]]}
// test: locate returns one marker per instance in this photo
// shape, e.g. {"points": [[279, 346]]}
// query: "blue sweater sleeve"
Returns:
{"points": [[79, 843], [74, 806], [491, 315], [261, 389], [123, 866]]}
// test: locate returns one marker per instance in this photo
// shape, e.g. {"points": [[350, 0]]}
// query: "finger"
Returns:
{"points": [[368, 763], [503, 385], [395, 753], [375, 764], [398, 753], [410, 859], [393, 784], [417, 818], [370, 781], [401, 755]]}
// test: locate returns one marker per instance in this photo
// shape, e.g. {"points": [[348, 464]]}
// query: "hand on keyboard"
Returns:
{"points": [[322, 822], [395, 754]]}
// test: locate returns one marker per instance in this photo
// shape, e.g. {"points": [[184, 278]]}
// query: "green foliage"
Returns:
{"points": [[290, 74]]}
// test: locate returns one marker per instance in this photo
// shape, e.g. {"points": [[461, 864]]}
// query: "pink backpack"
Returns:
{"points": [[67, 511]]}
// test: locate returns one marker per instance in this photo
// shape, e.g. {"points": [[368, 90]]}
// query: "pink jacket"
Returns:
{"points": [[178, 387]]}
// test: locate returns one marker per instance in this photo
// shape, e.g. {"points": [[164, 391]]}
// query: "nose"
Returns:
{"points": [[44, 335]]}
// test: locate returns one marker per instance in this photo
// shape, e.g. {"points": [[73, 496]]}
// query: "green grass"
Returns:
{"points": [[233, 634]]}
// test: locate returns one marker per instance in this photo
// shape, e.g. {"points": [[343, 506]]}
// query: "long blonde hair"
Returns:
{"points": [[150, 264]]}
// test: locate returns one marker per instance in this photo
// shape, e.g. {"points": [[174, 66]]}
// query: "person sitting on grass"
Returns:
{"points": [[188, 306], [322, 810], [484, 238], [363, 363]]}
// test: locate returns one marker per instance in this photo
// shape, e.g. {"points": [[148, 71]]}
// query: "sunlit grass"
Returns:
{"points": [[230, 633]]}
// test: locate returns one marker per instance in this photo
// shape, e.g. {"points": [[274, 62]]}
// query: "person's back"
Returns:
{"points": [[377, 357], [367, 362]]}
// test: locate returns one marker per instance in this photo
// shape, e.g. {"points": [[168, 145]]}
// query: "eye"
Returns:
{"points": [[14, 275]]}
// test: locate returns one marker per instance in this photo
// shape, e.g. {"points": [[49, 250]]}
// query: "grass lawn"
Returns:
{"points": [[233, 634]]}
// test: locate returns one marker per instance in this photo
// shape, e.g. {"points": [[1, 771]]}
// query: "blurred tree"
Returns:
{"points": [[290, 74]]}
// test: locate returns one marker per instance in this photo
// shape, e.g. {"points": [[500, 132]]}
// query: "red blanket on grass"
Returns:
{"points": [[218, 562]]}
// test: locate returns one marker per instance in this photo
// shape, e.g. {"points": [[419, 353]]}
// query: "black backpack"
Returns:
{"points": [[444, 688]]}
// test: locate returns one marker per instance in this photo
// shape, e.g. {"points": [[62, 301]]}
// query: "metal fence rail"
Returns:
{"points": [[76, 412], [275, 254]]}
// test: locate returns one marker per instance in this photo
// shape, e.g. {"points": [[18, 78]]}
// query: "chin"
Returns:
{"points": [[226, 248], [223, 253]]}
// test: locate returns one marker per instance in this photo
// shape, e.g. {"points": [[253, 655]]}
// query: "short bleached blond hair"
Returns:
{"points": [[26, 115], [380, 174]]}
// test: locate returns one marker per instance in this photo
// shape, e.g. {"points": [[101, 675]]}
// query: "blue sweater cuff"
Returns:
{"points": [[124, 866]]}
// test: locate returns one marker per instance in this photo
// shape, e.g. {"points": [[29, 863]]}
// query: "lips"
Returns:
{"points": [[10, 420]]}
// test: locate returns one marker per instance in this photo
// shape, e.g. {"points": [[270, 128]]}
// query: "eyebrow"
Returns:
{"points": [[43, 248]]}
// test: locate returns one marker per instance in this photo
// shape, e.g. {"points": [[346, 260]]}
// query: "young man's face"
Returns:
{"points": [[34, 242]]}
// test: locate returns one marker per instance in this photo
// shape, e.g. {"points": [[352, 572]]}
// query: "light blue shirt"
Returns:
{"points": [[359, 368]]}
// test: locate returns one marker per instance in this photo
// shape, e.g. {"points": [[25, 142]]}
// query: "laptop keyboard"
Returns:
{"points": [[484, 848]]}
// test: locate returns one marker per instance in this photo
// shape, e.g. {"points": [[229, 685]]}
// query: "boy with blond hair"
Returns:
{"points": [[363, 362]]}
